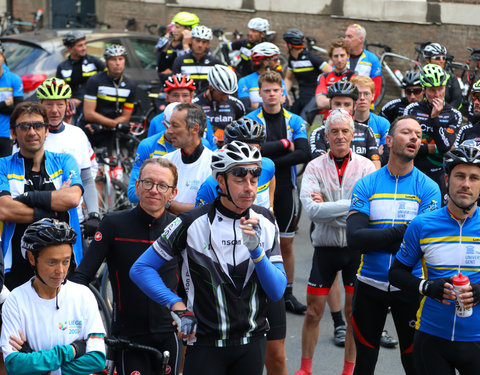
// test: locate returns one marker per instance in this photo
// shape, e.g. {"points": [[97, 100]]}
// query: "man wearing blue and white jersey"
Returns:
{"points": [[34, 184], [446, 242], [11, 93], [383, 203], [231, 258]]}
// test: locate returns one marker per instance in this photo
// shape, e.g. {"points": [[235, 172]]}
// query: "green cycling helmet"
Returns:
{"points": [[54, 88], [433, 76], [476, 87], [186, 19]]}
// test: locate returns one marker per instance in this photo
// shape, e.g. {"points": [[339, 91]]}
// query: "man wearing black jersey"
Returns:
{"points": [[121, 238], [472, 129]]}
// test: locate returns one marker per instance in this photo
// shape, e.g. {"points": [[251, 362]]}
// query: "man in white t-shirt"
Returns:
{"points": [[51, 325], [53, 94], [191, 158]]}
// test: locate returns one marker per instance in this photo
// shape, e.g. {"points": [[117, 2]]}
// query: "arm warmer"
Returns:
{"points": [[401, 276], [90, 195], [271, 148], [144, 273], [7, 110], [299, 156], [272, 276], [41, 361], [89, 363], [364, 239]]}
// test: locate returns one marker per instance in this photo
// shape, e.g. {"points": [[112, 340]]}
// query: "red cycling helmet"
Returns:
{"points": [[179, 81]]}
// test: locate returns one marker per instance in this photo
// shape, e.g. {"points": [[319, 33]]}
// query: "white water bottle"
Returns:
{"points": [[459, 282]]}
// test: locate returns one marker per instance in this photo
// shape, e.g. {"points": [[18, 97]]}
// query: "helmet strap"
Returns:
{"points": [[465, 209], [228, 195]]}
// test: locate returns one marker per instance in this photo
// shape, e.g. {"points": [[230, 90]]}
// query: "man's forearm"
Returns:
{"points": [[13, 211], [178, 207], [66, 198]]}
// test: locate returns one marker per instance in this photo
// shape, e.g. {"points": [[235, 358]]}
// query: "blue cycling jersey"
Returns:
{"points": [[445, 246], [390, 200], [380, 126], [10, 85], [367, 65], [248, 88], [208, 191]]}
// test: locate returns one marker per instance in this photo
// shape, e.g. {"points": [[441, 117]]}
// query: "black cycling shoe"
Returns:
{"points": [[292, 304], [387, 341], [339, 335]]}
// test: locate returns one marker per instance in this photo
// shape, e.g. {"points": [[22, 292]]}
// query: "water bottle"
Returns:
{"points": [[459, 282], [398, 74]]}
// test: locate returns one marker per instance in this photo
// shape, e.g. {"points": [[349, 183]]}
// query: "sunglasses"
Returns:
{"points": [[475, 97], [243, 171], [416, 91], [26, 126], [443, 58]]}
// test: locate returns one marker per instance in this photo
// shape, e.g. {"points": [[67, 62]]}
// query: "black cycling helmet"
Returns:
{"points": [[467, 153], [294, 37], [343, 88], [411, 79], [46, 232], [72, 37], [245, 130]]}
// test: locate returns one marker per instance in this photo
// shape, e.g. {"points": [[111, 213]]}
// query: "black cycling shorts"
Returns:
{"points": [[277, 320], [326, 262], [437, 356], [232, 360], [285, 210]]}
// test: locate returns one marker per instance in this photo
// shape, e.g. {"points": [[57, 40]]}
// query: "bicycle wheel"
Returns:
{"points": [[106, 289], [114, 198], [105, 312]]}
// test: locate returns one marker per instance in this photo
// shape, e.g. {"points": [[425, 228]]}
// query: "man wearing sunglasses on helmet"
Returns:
{"points": [[231, 264]]}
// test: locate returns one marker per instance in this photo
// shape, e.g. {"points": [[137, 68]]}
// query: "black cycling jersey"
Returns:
{"points": [[363, 143], [245, 67], [394, 108], [121, 238], [453, 92], [221, 114], [77, 72], [306, 69], [167, 55], [197, 69], [469, 131]]}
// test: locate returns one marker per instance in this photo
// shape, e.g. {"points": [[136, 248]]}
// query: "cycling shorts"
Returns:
{"points": [[277, 320], [326, 262], [285, 210]]}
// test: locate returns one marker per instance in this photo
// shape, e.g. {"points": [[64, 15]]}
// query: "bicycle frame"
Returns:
{"points": [[391, 73]]}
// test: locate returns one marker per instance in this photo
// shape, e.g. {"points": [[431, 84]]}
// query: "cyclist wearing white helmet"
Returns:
{"points": [[198, 62], [231, 258], [218, 100], [265, 58]]}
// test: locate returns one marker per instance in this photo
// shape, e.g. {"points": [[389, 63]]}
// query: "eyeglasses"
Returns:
{"points": [[161, 188], [443, 58], [26, 126], [476, 97], [243, 171], [416, 91]]}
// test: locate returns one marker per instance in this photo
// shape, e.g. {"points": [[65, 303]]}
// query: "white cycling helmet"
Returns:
{"points": [[234, 154], [202, 32], [434, 49], [167, 114], [223, 79], [259, 24], [263, 50]]}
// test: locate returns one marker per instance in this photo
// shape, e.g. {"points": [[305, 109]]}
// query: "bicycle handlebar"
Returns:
{"points": [[379, 45]]}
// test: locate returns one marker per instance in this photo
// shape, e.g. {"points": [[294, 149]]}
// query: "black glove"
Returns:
{"points": [[80, 347], [26, 348], [434, 288], [42, 199], [124, 127], [95, 128], [476, 293], [90, 225], [186, 321], [40, 213]]}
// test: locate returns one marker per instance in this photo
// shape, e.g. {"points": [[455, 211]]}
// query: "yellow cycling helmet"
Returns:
{"points": [[186, 19]]}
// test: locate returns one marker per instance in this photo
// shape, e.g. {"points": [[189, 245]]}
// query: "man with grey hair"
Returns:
{"points": [[361, 61], [327, 187], [191, 158]]}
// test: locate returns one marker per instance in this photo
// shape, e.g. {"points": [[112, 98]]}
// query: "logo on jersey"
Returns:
{"points": [[171, 227], [432, 207], [356, 202], [62, 327], [135, 373], [72, 174], [98, 236], [73, 327], [168, 369]]}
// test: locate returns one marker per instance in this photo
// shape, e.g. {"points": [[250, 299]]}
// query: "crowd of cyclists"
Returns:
{"points": [[203, 266]]}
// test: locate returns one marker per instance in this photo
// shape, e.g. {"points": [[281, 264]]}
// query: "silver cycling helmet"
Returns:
{"points": [[202, 32], [434, 49], [232, 155], [259, 24], [223, 79], [115, 50]]}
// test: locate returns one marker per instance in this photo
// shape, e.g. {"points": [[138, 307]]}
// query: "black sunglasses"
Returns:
{"points": [[243, 171], [26, 126], [416, 91]]}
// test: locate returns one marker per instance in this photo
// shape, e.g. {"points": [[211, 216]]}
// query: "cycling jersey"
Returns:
{"points": [[367, 65], [15, 180], [248, 88], [446, 246], [166, 55], [394, 108], [325, 80], [390, 200], [77, 72], [364, 142], [208, 191], [10, 85], [221, 114], [467, 132], [218, 268], [306, 68], [50, 330], [453, 92], [245, 67], [379, 126], [197, 69]]}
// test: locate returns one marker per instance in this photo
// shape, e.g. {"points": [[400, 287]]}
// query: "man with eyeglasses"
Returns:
{"points": [[34, 184], [413, 93], [472, 129], [231, 264], [121, 238]]}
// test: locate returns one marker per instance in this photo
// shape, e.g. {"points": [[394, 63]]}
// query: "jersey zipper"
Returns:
{"points": [[460, 224], [393, 220]]}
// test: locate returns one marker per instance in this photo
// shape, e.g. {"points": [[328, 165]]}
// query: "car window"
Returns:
{"points": [[97, 47], [17, 53], [145, 50]]}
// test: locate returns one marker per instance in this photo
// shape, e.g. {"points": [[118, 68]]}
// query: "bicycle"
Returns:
{"points": [[233, 57], [311, 45], [150, 101], [10, 25]]}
